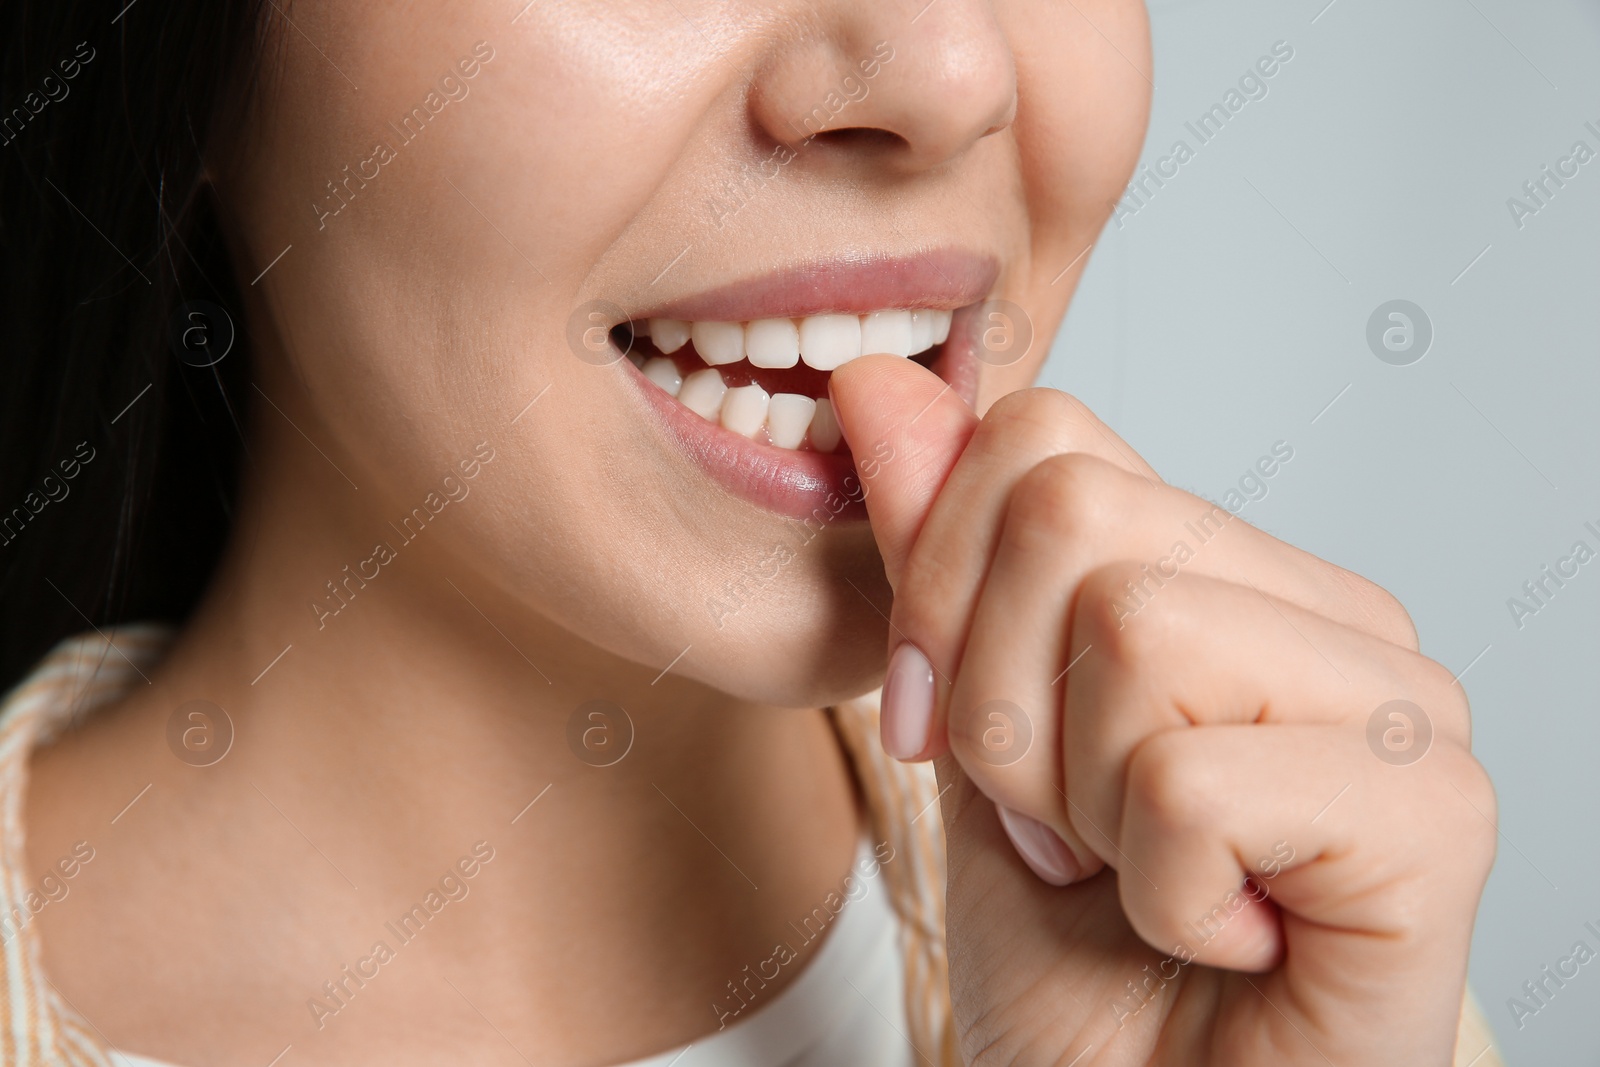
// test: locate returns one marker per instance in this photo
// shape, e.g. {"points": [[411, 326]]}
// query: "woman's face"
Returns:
{"points": [[474, 194]]}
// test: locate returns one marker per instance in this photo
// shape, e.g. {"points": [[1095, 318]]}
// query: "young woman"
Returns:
{"points": [[473, 463]]}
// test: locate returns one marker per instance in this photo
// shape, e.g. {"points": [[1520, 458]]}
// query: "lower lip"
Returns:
{"points": [[795, 484]]}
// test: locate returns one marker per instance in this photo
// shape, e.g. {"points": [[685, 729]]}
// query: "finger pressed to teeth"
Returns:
{"points": [[822, 342]]}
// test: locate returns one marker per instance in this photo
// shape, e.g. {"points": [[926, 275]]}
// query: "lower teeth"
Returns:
{"points": [[786, 420]]}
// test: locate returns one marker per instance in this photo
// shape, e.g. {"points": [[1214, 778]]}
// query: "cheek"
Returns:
{"points": [[469, 248], [436, 286], [514, 189], [1079, 131], [1087, 77]]}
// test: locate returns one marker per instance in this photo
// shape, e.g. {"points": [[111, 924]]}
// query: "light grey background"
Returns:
{"points": [[1230, 310]]}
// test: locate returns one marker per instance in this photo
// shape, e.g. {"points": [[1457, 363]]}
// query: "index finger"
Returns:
{"points": [[939, 589]]}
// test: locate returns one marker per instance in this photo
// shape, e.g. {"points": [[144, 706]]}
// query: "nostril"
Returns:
{"points": [[859, 138]]}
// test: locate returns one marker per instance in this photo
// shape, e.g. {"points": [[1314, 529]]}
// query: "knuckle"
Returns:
{"points": [[1156, 920], [1059, 503], [1430, 690], [1033, 413], [1466, 792], [1039, 422], [1167, 791], [1384, 614], [1103, 615], [1448, 700]]}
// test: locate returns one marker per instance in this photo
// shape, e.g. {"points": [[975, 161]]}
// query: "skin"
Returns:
{"points": [[1217, 733], [421, 320]]}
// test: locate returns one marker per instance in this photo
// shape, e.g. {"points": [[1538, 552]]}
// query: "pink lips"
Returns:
{"points": [[855, 285], [803, 484], [798, 485]]}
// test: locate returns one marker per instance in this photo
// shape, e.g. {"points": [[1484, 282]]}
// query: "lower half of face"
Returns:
{"points": [[623, 246]]}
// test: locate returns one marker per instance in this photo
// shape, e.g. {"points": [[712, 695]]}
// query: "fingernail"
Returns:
{"points": [[907, 706], [1040, 848]]}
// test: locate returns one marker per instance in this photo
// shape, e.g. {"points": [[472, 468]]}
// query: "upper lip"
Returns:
{"points": [[945, 278]]}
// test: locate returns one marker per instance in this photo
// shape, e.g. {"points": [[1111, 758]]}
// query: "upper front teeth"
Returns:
{"points": [[887, 331], [772, 343], [718, 342], [823, 342]]}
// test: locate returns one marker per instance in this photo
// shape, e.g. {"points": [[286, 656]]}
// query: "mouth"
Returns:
{"points": [[767, 380], [739, 376]]}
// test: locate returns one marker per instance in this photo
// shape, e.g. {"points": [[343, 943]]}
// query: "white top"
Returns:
{"points": [[847, 1006]]}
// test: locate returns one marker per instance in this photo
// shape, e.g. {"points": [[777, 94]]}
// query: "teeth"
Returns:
{"points": [[664, 373], [822, 342], [828, 342], [921, 331], [824, 427], [772, 343], [788, 417], [669, 335], [887, 331], [702, 393], [718, 342]]}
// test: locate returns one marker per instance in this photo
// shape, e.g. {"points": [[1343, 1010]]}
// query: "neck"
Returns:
{"points": [[421, 713]]}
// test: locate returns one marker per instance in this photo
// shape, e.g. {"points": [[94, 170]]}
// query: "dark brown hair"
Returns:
{"points": [[118, 457]]}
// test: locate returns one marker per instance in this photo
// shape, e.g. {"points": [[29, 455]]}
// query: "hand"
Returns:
{"points": [[1223, 869]]}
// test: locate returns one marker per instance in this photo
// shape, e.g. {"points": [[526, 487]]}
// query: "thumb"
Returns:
{"points": [[906, 428]]}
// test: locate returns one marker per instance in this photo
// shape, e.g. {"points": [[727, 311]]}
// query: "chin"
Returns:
{"points": [[788, 656]]}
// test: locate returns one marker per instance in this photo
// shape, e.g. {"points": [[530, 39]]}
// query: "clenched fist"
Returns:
{"points": [[1171, 839]]}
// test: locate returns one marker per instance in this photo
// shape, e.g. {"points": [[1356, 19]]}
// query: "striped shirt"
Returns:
{"points": [[38, 1028]]}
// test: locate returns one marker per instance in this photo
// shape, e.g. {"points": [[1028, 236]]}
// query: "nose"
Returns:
{"points": [[911, 91]]}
